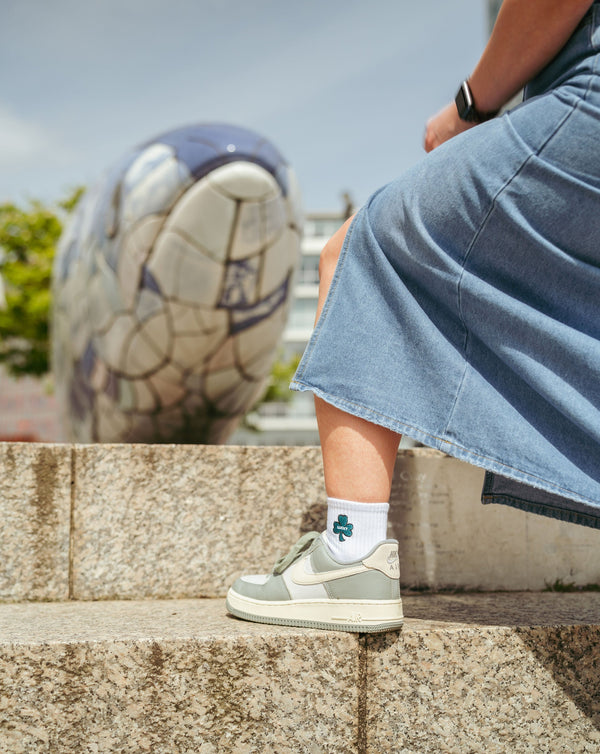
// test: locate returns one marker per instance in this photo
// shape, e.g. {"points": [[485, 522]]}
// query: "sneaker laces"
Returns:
{"points": [[296, 550]]}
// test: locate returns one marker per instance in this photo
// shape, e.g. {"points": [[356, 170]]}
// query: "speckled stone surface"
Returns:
{"points": [[168, 677], [35, 506], [487, 673], [186, 521], [515, 672], [449, 539], [169, 521]]}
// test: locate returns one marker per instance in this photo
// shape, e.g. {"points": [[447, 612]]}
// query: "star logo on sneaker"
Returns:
{"points": [[342, 527]]}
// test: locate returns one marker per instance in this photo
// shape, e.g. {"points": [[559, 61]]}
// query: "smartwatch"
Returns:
{"points": [[466, 106]]}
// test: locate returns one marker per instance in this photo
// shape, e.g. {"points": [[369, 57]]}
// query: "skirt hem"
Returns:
{"points": [[495, 467]]}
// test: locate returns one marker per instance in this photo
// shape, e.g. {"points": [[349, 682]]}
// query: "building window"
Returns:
{"points": [[308, 274], [303, 313], [322, 227]]}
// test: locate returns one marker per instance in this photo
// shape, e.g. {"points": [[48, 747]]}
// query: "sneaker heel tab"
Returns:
{"points": [[385, 559]]}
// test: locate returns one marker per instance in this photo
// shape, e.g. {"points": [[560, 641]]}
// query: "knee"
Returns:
{"points": [[329, 257], [331, 252]]}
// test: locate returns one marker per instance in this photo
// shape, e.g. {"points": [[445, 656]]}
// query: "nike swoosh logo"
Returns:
{"points": [[300, 577]]}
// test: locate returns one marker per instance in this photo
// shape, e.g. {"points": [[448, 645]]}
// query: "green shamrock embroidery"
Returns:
{"points": [[342, 527]]}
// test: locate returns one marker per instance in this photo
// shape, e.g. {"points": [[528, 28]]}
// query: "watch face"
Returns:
{"points": [[464, 103]]}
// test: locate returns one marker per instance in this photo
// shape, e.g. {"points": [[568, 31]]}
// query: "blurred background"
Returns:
{"points": [[343, 89]]}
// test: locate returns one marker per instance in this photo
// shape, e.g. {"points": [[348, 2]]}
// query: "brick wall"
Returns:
{"points": [[28, 410]]}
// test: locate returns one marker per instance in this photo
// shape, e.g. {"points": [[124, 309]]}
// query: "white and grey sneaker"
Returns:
{"points": [[308, 587]]}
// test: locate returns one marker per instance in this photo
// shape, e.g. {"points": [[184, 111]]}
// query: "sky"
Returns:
{"points": [[343, 88]]}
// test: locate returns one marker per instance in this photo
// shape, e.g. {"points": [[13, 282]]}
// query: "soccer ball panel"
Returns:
{"points": [[263, 337], [280, 260], [259, 224], [183, 273], [155, 194], [204, 217], [144, 163], [168, 385], [244, 181]]}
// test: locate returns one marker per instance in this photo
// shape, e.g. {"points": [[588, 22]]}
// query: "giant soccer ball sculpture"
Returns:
{"points": [[171, 289]]}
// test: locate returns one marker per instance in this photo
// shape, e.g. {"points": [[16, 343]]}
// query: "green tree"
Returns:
{"points": [[278, 388], [28, 239]]}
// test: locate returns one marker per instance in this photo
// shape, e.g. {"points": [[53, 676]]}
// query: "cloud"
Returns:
{"points": [[24, 142]]}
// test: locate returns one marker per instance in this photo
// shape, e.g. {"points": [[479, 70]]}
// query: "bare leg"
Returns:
{"points": [[358, 456]]}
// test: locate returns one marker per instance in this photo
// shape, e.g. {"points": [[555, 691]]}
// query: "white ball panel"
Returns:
{"points": [[260, 365], [262, 337], [184, 273], [155, 193], [78, 311], [148, 304], [168, 384], [141, 357], [100, 310], [145, 399], [126, 400], [204, 216], [128, 274], [145, 163], [279, 262], [224, 357], [110, 284], [221, 382], [140, 238], [163, 262], [199, 278], [157, 330], [190, 351], [183, 317], [99, 376], [112, 345], [111, 422], [294, 201], [259, 224], [244, 180]]}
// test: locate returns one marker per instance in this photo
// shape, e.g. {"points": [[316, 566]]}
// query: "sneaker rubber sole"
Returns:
{"points": [[364, 616]]}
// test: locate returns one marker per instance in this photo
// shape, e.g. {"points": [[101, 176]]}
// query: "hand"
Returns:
{"points": [[444, 126]]}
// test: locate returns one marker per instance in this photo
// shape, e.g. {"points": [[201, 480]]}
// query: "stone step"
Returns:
{"points": [[93, 522], [512, 672]]}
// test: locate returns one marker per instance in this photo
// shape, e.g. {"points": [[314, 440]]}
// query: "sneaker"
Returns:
{"points": [[308, 587]]}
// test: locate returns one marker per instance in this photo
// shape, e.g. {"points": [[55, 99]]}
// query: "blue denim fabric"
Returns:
{"points": [[464, 310]]}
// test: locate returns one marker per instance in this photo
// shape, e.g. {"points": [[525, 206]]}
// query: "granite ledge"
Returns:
{"points": [[73, 621]]}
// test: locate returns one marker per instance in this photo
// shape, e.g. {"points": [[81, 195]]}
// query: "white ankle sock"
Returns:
{"points": [[353, 529]]}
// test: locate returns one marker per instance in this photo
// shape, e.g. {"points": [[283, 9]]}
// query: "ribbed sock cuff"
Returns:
{"points": [[354, 528]]}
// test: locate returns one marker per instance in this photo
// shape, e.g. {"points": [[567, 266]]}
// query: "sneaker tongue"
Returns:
{"points": [[301, 546]]}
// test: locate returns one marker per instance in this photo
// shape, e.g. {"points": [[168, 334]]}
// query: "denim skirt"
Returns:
{"points": [[465, 307]]}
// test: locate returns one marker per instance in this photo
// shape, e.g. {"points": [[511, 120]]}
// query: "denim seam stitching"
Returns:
{"points": [[484, 222], [460, 281]]}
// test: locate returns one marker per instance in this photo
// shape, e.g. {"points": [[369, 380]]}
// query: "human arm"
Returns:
{"points": [[526, 36]]}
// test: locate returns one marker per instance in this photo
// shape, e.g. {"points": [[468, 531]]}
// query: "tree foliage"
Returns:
{"points": [[28, 240], [278, 388]]}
